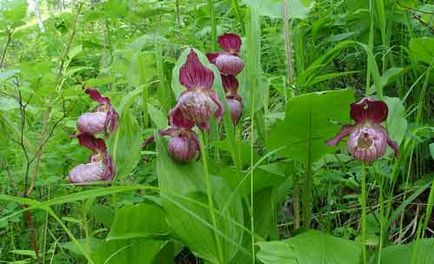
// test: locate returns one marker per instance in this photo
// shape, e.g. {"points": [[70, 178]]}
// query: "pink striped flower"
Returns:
{"points": [[368, 139], [196, 105], [103, 120], [228, 60], [100, 167]]}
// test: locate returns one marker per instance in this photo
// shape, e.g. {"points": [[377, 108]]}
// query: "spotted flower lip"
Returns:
{"points": [[103, 119], [368, 139], [199, 102], [228, 60], [100, 167]]}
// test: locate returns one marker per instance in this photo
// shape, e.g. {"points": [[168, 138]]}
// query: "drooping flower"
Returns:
{"points": [[368, 139], [235, 102], [100, 167], [103, 120], [183, 143], [196, 105], [228, 60]]}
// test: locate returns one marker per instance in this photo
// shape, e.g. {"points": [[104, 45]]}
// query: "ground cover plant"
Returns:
{"points": [[219, 131]]}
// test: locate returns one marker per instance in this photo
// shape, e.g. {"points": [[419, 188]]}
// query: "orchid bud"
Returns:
{"points": [[368, 140], [103, 120], [199, 102], [236, 108]]}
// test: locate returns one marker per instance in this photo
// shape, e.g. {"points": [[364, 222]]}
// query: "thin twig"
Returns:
{"points": [[8, 42]]}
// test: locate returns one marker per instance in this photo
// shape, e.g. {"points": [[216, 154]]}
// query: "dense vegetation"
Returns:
{"points": [[266, 189]]}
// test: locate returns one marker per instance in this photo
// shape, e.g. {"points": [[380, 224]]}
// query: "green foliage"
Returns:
{"points": [[308, 124], [327, 249], [255, 182]]}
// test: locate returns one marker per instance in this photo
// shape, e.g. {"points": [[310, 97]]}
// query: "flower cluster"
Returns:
{"points": [[199, 102], [195, 106], [230, 65], [104, 119], [368, 139]]}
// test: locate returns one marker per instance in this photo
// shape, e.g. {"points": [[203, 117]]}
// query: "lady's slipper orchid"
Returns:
{"points": [[100, 167], [228, 61], [199, 102], [235, 103], [103, 119], [368, 140], [183, 144]]}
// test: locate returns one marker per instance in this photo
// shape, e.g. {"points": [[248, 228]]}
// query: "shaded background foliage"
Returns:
{"points": [[341, 50]]}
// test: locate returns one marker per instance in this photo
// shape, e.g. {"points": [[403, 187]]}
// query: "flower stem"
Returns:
{"points": [[363, 220], [203, 154]]}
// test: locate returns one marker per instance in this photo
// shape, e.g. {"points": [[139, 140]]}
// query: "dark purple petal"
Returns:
{"points": [[195, 75], [230, 42], [394, 146], [212, 56], [178, 120], [109, 165], [97, 97], [112, 121], [345, 131], [230, 84], [368, 109], [92, 143]]}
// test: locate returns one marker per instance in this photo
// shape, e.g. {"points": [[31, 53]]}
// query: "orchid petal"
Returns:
{"points": [[195, 75], [369, 109], [92, 143], [346, 130], [97, 97], [230, 42]]}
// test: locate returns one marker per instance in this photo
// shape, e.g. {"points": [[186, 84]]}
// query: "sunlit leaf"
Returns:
{"points": [[310, 247]]}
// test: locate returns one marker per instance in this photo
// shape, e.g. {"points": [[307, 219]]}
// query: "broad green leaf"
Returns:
{"points": [[128, 251], [422, 49], [186, 206], [126, 144], [310, 247], [276, 252], [158, 117], [273, 8], [310, 120], [421, 250], [139, 221], [396, 121]]}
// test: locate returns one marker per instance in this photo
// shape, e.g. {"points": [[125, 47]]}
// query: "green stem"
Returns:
{"points": [[203, 154], [213, 25], [363, 220]]}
